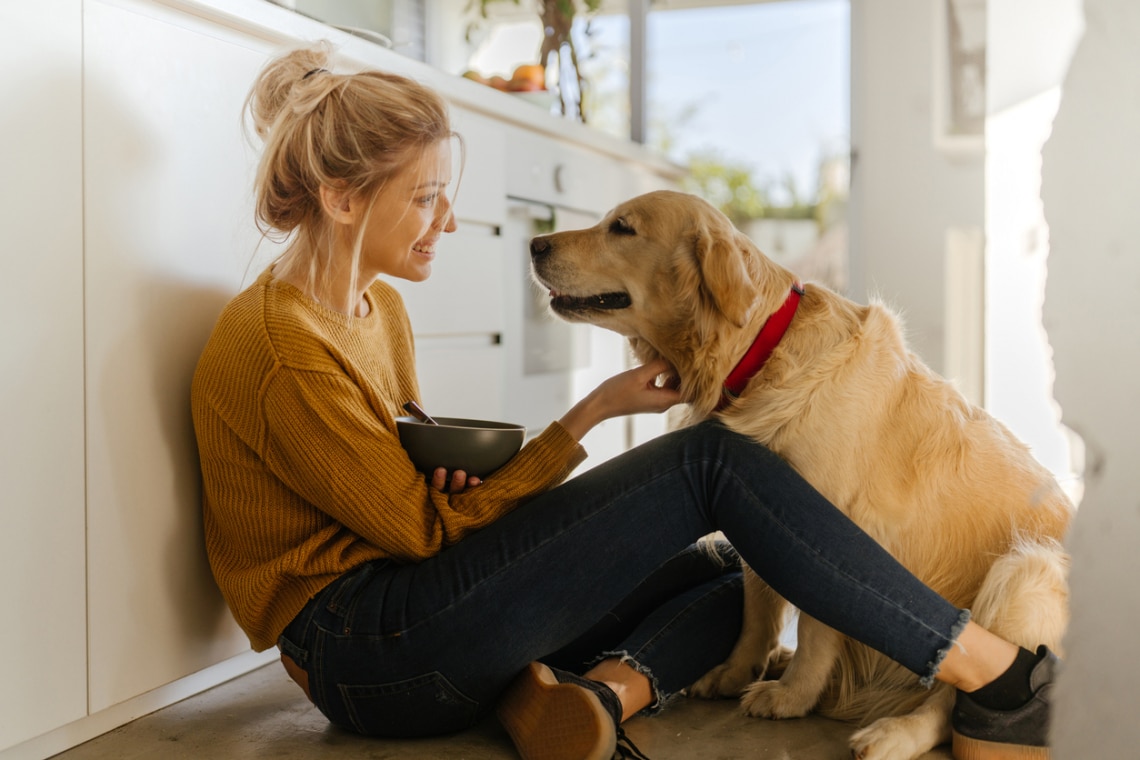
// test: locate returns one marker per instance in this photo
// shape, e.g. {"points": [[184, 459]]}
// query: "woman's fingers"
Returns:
{"points": [[456, 484]]}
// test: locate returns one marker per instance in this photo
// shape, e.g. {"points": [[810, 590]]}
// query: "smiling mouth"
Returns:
{"points": [[602, 302]]}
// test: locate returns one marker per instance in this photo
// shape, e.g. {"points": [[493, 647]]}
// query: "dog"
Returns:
{"points": [[938, 482]]}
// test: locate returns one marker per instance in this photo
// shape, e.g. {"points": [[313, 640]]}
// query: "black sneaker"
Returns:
{"points": [[980, 733], [554, 715]]}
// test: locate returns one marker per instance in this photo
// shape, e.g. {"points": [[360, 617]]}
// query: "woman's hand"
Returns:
{"points": [[634, 391], [459, 481]]}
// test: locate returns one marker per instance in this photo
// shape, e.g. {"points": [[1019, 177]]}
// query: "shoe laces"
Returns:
{"points": [[626, 749]]}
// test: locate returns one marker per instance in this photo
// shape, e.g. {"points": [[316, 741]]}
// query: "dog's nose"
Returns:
{"points": [[539, 247]]}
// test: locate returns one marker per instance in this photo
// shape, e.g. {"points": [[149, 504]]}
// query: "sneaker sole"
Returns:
{"points": [[965, 748], [548, 720]]}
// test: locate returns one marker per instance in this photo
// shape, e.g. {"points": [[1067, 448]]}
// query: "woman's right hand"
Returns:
{"points": [[457, 483], [634, 391]]}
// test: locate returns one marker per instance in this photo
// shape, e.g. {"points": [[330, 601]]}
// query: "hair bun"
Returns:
{"points": [[273, 91]]}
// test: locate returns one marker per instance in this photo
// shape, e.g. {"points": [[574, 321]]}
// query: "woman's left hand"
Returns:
{"points": [[459, 481], [634, 391]]}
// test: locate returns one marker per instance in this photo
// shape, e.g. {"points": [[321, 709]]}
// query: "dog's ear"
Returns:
{"points": [[724, 257]]}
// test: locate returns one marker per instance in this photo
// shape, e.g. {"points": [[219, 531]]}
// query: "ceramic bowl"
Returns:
{"points": [[478, 447]]}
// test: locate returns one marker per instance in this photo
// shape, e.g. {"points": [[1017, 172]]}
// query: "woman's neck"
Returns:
{"points": [[332, 289]]}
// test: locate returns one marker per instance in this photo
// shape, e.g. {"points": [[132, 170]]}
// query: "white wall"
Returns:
{"points": [[42, 538], [1073, 235], [1091, 192], [1030, 44], [906, 192]]}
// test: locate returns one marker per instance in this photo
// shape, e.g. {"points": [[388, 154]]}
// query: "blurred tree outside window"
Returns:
{"points": [[752, 97]]}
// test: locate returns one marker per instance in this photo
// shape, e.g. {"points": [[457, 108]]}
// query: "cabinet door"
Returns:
{"points": [[169, 239], [41, 385]]}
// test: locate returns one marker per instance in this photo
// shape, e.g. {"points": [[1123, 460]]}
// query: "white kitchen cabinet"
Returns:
{"points": [[43, 635], [556, 185], [169, 239], [127, 218], [458, 314], [480, 198], [458, 317]]}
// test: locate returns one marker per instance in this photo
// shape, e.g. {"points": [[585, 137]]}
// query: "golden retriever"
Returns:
{"points": [[943, 486]]}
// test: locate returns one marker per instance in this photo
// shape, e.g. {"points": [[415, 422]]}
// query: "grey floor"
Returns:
{"points": [[264, 715]]}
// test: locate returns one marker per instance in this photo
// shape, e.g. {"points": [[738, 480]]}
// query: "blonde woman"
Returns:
{"points": [[408, 605]]}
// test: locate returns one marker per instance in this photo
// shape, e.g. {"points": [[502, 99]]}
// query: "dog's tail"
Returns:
{"points": [[870, 686], [1024, 599], [1025, 595]]}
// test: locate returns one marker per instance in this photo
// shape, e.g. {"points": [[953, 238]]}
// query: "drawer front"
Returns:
{"points": [[560, 174], [464, 295], [461, 377], [479, 169]]}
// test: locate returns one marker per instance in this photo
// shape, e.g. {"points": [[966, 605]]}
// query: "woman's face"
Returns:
{"points": [[408, 218]]}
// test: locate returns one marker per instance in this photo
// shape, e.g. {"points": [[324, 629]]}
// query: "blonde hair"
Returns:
{"points": [[349, 132]]}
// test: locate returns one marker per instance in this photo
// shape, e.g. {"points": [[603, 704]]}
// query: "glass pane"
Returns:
{"points": [[754, 98], [511, 38]]}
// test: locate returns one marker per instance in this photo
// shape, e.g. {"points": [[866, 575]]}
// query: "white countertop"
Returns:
{"points": [[286, 28]]}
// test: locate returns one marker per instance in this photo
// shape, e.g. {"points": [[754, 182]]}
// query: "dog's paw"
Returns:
{"points": [[729, 680], [772, 699], [724, 681], [888, 739], [778, 661]]}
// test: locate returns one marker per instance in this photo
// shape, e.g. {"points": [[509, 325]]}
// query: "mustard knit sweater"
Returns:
{"points": [[303, 474]]}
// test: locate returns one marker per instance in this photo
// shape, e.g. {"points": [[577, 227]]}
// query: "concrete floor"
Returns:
{"points": [[264, 714]]}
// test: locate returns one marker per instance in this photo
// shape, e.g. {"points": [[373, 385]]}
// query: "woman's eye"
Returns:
{"points": [[428, 200], [620, 226]]}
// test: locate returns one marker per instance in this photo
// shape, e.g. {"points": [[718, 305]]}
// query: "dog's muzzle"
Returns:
{"points": [[601, 302]]}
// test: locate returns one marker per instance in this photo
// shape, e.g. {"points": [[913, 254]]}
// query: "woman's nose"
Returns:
{"points": [[445, 219]]}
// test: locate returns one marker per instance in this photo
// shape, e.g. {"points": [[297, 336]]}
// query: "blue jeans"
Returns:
{"points": [[604, 563]]}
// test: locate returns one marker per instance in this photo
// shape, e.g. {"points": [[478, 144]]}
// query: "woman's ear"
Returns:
{"points": [[340, 205]]}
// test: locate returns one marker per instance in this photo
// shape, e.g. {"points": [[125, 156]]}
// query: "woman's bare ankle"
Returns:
{"points": [[976, 659], [632, 687]]}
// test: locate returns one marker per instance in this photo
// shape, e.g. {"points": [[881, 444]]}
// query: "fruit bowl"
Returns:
{"points": [[478, 447]]}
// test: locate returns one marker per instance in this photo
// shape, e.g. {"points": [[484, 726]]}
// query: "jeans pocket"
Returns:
{"points": [[427, 705]]}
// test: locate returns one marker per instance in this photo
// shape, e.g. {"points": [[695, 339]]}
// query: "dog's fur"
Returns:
{"points": [[939, 483]]}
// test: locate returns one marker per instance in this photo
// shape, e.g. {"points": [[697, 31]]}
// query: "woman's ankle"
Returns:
{"points": [[632, 687], [977, 658]]}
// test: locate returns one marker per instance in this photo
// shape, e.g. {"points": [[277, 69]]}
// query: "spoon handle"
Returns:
{"points": [[417, 411]]}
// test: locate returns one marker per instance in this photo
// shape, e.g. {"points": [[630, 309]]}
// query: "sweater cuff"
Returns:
{"points": [[563, 448]]}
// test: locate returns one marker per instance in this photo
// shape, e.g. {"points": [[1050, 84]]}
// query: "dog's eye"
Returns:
{"points": [[620, 226]]}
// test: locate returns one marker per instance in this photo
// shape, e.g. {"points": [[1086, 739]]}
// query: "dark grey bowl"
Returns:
{"points": [[478, 447]]}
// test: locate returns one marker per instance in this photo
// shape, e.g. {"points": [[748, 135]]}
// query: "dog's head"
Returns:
{"points": [[670, 272]]}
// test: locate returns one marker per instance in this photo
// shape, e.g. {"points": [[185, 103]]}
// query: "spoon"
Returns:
{"points": [[417, 411]]}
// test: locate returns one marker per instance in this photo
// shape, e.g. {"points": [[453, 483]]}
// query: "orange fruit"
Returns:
{"points": [[528, 76]]}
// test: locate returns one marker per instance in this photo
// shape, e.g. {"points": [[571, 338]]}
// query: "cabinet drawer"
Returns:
{"points": [[461, 377], [543, 169], [464, 295], [481, 194]]}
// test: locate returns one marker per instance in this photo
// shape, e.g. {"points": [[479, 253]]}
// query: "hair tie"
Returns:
{"points": [[314, 71]]}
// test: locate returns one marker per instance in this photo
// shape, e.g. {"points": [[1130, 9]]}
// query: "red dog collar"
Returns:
{"points": [[766, 341]]}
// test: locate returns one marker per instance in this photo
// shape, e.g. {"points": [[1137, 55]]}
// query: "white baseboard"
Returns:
{"points": [[85, 729]]}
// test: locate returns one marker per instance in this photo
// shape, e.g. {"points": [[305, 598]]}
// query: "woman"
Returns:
{"points": [[408, 606]]}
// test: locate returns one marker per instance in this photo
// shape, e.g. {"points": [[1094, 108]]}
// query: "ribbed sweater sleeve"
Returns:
{"points": [[303, 473]]}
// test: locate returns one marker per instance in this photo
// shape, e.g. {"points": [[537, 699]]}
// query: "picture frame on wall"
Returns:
{"points": [[959, 89]]}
